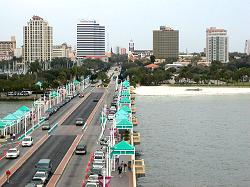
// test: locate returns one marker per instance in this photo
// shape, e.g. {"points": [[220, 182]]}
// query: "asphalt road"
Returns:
{"points": [[54, 148], [84, 110], [75, 170], [37, 134]]}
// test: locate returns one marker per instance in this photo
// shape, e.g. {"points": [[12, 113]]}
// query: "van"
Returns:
{"points": [[44, 165]]}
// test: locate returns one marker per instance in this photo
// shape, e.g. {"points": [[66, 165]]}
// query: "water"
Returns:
{"points": [[7, 107], [195, 141]]}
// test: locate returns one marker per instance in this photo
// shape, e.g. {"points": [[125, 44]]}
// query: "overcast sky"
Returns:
{"points": [[132, 19]]}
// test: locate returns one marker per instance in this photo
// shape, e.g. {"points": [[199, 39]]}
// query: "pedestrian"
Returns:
{"points": [[120, 171], [117, 159], [122, 164], [14, 136], [125, 166]]}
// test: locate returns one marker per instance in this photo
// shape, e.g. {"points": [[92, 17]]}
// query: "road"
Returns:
{"points": [[37, 134], [57, 145], [75, 170], [54, 148]]}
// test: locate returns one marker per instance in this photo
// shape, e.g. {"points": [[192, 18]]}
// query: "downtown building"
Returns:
{"points": [[7, 49], [217, 45], [37, 41], [165, 43], [90, 40]]}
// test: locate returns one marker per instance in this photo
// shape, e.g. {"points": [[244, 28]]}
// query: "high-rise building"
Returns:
{"points": [[123, 51], [37, 40], [61, 51], [131, 46], [117, 51], [165, 43], [247, 47], [7, 48], [216, 45], [90, 39]]}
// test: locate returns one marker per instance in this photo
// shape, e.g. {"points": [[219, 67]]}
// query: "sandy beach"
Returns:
{"points": [[189, 91]]}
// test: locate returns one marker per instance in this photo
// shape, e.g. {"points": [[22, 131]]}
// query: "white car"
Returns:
{"points": [[42, 175], [93, 178], [12, 153], [92, 184], [111, 116], [27, 141]]}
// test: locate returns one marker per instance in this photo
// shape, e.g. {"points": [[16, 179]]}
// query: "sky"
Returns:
{"points": [[132, 19]]}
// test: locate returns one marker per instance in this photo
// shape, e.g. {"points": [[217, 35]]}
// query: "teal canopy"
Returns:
{"points": [[24, 108], [54, 94], [123, 148], [124, 124], [76, 82], [10, 117], [126, 84], [125, 100], [126, 109], [125, 93], [2, 124]]}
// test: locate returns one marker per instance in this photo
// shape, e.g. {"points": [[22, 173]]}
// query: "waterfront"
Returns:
{"points": [[7, 107], [195, 141]]}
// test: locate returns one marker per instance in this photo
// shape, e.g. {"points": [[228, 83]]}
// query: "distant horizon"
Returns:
{"points": [[126, 20]]}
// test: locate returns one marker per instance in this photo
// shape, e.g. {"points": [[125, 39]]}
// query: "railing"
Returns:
{"points": [[53, 128]]}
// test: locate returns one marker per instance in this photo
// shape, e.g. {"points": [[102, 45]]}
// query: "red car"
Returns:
{"points": [[81, 95]]}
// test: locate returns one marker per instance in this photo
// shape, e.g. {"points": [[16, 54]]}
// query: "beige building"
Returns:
{"points": [[37, 40], [61, 51], [217, 45], [165, 43], [7, 48]]}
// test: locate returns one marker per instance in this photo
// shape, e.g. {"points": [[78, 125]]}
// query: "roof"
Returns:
{"points": [[126, 109], [123, 148], [152, 66], [125, 100], [124, 124], [76, 82], [24, 108]]}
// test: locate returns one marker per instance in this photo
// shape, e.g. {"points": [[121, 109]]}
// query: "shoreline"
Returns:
{"points": [[189, 90]]}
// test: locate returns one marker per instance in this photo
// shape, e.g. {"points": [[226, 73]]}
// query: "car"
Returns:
{"points": [[81, 95], [46, 115], [44, 165], [27, 141], [93, 179], [112, 108], [46, 126], [81, 149], [92, 184], [79, 122], [12, 153], [104, 141], [111, 116], [42, 175], [35, 183], [96, 99]]}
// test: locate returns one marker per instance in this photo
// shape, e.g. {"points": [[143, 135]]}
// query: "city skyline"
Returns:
{"points": [[191, 18]]}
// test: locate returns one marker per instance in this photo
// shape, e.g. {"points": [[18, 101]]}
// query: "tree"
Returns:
{"points": [[152, 59], [35, 68]]}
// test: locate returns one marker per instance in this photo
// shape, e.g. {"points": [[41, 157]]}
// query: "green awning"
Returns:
{"points": [[2, 125], [123, 148], [125, 93], [126, 84], [126, 108], [124, 124], [54, 94], [76, 82], [19, 114], [10, 117], [24, 108], [125, 100]]}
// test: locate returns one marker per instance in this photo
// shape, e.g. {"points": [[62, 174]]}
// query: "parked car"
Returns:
{"points": [[104, 141], [46, 126], [12, 153], [112, 108], [81, 149], [79, 122], [42, 175], [27, 141], [44, 165], [35, 183], [93, 178], [46, 115], [111, 116]]}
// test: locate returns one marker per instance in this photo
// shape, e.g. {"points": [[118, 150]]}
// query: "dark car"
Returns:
{"points": [[46, 126], [44, 165], [81, 149], [96, 99], [81, 95], [79, 122]]}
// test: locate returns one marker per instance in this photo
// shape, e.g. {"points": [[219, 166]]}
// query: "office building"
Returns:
{"points": [[216, 45], [7, 49], [117, 51], [37, 40], [165, 43], [61, 51], [131, 46], [90, 40], [247, 47], [123, 51]]}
